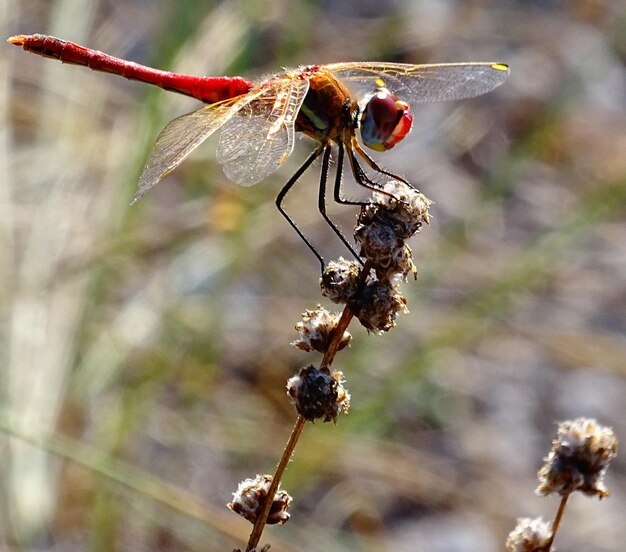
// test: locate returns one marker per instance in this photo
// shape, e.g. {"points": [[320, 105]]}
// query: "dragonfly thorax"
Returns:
{"points": [[327, 112]]}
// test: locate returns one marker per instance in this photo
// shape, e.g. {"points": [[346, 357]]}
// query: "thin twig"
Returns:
{"points": [[329, 355], [340, 328], [557, 521], [259, 525]]}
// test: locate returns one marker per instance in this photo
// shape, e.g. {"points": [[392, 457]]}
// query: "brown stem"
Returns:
{"points": [[329, 355], [259, 525], [557, 521], [338, 331]]}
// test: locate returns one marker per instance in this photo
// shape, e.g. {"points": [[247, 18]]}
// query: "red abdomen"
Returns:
{"points": [[206, 89]]}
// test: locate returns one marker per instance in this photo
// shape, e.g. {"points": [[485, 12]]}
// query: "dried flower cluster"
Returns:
{"points": [[396, 213], [377, 305], [369, 287], [250, 495], [340, 280], [530, 535], [316, 330], [372, 291], [578, 460], [319, 393]]}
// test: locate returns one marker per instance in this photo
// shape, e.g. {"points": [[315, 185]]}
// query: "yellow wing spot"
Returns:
{"points": [[500, 67], [380, 83]]}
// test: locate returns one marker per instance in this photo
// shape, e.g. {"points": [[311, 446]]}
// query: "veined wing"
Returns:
{"points": [[255, 142], [422, 83], [184, 134]]}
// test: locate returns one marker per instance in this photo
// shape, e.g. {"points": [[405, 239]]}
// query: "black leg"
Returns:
{"points": [[359, 174], [363, 180], [281, 196], [322, 194], [338, 191], [374, 166]]}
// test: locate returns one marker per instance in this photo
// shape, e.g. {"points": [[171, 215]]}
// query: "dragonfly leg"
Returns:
{"points": [[281, 196], [338, 189], [360, 176], [376, 167], [363, 180], [322, 195]]}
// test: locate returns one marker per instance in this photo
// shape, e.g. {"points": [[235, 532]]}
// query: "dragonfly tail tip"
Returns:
{"points": [[18, 40]]}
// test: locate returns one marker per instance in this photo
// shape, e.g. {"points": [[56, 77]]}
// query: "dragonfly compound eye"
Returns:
{"points": [[385, 121]]}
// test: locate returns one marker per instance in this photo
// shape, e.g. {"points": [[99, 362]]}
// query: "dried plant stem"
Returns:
{"points": [[340, 328], [329, 355], [557, 520], [257, 530]]}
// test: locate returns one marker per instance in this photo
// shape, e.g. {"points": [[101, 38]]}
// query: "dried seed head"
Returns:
{"points": [[400, 266], [249, 498], [316, 330], [318, 393], [343, 397], [377, 305], [384, 250], [578, 459], [340, 280], [378, 242], [530, 535], [400, 207], [264, 549]]}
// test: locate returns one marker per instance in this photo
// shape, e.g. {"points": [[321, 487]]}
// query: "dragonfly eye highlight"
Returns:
{"points": [[385, 121]]}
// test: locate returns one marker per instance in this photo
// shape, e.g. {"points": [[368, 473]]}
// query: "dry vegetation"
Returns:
{"points": [[145, 350]]}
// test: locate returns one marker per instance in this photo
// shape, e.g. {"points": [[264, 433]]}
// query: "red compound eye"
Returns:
{"points": [[385, 121]]}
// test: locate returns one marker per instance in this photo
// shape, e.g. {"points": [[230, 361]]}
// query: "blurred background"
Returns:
{"points": [[145, 350]]}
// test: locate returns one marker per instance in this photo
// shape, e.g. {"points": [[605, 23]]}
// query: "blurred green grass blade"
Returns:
{"points": [[177, 499]]}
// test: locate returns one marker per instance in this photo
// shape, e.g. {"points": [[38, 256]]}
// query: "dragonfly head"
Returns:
{"points": [[385, 120]]}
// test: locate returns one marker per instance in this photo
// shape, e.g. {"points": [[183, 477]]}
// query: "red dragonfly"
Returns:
{"points": [[259, 119]]}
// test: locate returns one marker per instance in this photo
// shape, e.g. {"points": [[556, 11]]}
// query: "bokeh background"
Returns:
{"points": [[144, 350]]}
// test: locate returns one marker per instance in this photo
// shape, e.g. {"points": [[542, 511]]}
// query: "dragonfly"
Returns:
{"points": [[329, 103]]}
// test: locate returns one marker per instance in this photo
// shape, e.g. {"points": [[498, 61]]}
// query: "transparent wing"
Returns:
{"points": [[255, 142], [422, 83], [184, 134]]}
